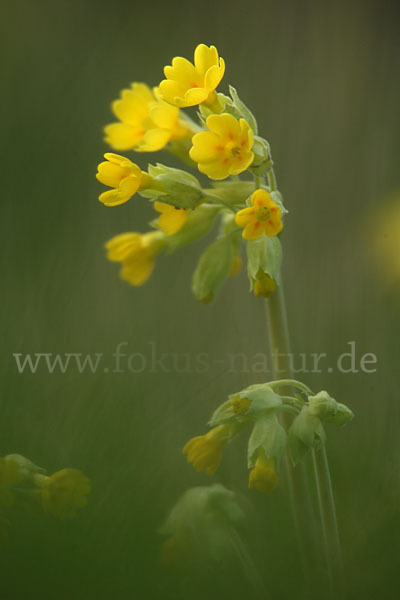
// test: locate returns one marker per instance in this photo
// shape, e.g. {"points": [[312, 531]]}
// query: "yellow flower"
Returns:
{"points": [[136, 252], [187, 84], [146, 122], [240, 405], [63, 492], [264, 287], [204, 452], [264, 216], [9, 477], [172, 219], [123, 175], [225, 149], [263, 476]]}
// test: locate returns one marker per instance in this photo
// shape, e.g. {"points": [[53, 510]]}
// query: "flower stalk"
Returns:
{"points": [[297, 477]]}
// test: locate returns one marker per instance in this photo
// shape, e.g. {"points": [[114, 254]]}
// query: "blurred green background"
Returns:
{"points": [[322, 79]]}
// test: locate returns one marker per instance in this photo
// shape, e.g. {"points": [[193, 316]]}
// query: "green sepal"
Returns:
{"points": [[241, 110], [262, 397], [322, 405], [173, 186], [213, 268], [264, 257], [261, 151], [198, 224], [233, 192], [342, 416], [305, 432], [225, 415], [269, 435]]}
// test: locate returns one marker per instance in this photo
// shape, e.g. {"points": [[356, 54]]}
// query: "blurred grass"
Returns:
{"points": [[322, 79]]}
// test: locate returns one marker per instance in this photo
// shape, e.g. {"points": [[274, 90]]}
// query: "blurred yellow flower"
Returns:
{"points": [[383, 240], [123, 175], [225, 149], [9, 477], [240, 405], [172, 219], [264, 216], [264, 287], [204, 452], [136, 252], [64, 492], [146, 123], [187, 84], [263, 476]]}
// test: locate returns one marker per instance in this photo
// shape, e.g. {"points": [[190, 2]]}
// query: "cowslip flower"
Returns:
{"points": [[225, 149], [263, 476], [9, 477], [204, 452], [171, 219], [263, 216], [188, 84], [146, 123], [137, 254], [240, 405], [124, 176], [64, 492], [264, 287]]}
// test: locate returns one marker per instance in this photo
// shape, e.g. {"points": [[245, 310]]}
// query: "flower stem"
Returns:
{"points": [[299, 492], [298, 485]]}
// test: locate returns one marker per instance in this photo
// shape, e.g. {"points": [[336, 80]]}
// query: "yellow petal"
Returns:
{"points": [[154, 140], [253, 230], [123, 137], [260, 197], [214, 76], [138, 269], [172, 219], [195, 95], [241, 163], [120, 246], [205, 147], [171, 90], [224, 125], [244, 216], [215, 170], [184, 72], [204, 58]]}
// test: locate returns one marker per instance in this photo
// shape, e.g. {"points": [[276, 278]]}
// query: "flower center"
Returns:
{"points": [[263, 213], [235, 151]]}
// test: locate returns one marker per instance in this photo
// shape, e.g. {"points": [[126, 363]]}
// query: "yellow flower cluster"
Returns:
{"points": [[223, 145]]}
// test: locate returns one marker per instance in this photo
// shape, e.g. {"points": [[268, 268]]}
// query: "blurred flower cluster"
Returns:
{"points": [[258, 407], [220, 140], [25, 485]]}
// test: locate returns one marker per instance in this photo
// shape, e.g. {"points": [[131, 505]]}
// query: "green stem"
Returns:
{"points": [[330, 529], [301, 499], [297, 480]]}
